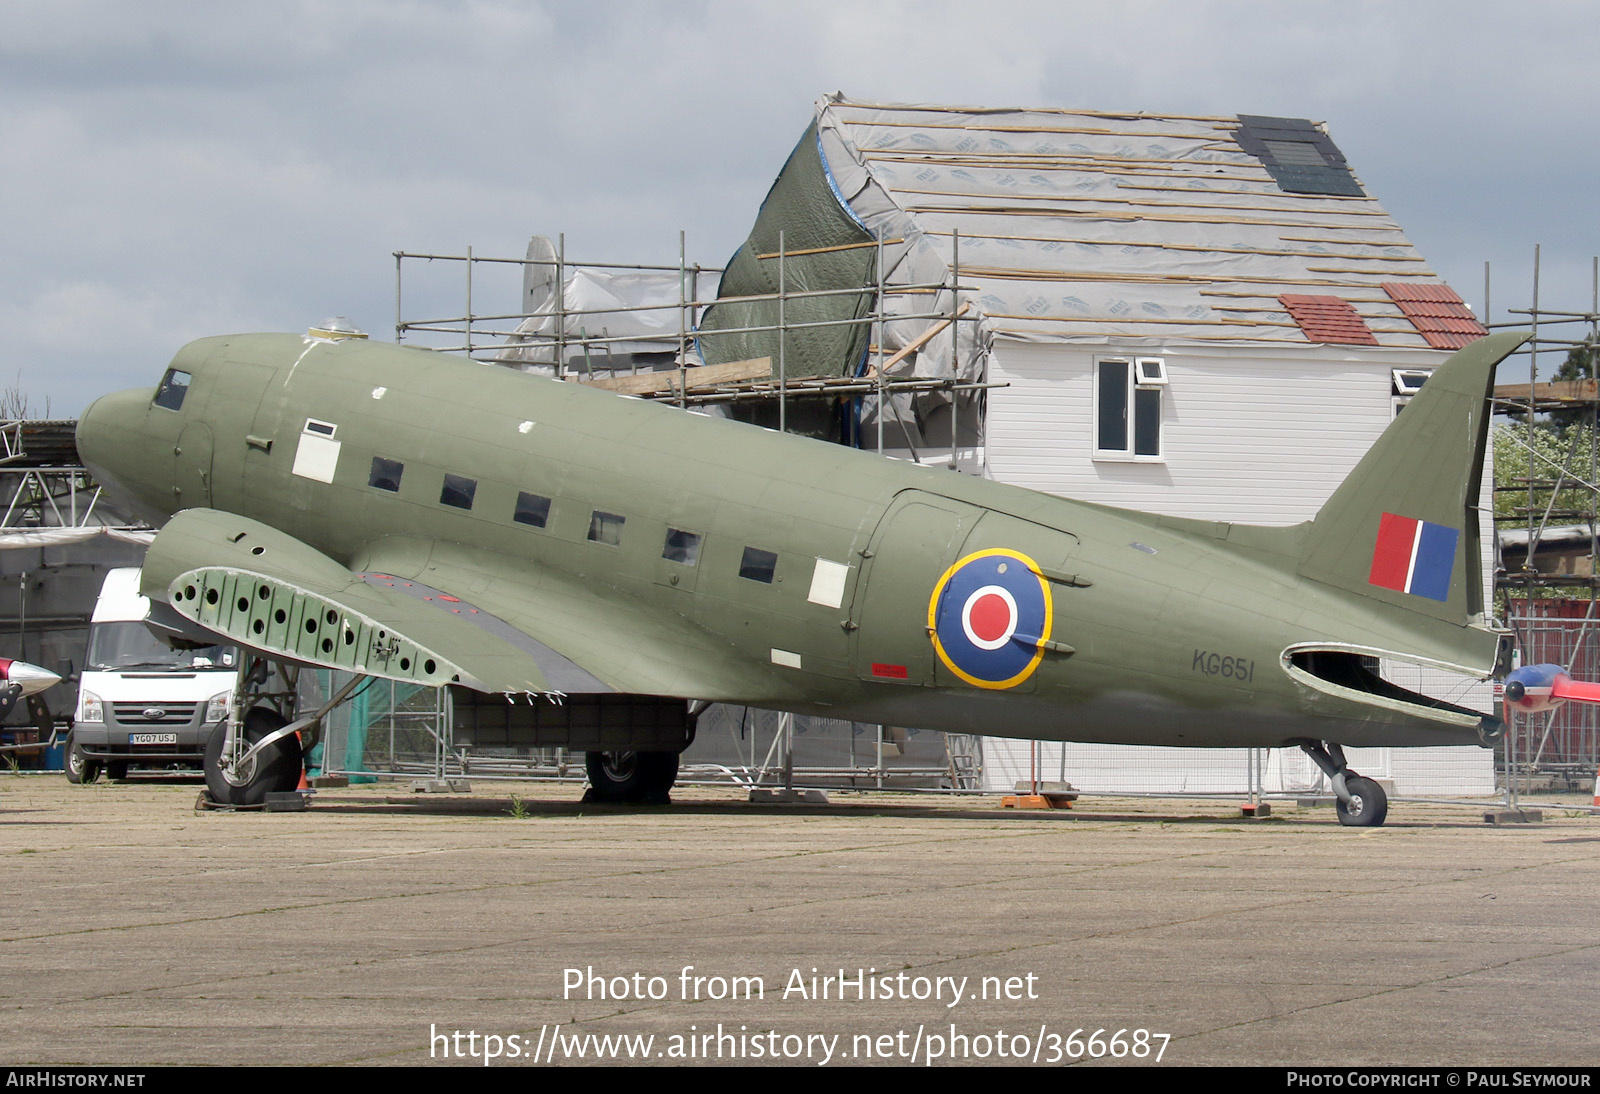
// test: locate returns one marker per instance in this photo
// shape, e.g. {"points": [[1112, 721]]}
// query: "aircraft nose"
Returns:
{"points": [[117, 446], [107, 429]]}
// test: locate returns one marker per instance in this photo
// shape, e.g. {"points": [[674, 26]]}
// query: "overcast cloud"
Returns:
{"points": [[169, 170]]}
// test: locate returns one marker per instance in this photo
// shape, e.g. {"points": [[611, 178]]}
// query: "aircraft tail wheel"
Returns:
{"points": [[631, 777], [1368, 806], [275, 769], [80, 768], [1491, 731]]}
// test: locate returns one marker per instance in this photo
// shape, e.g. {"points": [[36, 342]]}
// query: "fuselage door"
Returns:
{"points": [[237, 388], [916, 541], [191, 470]]}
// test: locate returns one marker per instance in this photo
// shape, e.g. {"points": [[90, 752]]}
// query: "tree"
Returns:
{"points": [[14, 404], [1579, 365]]}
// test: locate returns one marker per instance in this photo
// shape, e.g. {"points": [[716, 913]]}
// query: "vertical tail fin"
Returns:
{"points": [[1403, 526]]}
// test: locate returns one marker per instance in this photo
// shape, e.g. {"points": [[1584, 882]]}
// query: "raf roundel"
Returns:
{"points": [[988, 615]]}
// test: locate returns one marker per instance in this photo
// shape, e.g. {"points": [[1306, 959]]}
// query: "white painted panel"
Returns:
{"points": [[827, 583], [317, 457]]}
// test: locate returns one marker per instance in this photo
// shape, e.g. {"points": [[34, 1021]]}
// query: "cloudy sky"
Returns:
{"points": [[171, 169]]}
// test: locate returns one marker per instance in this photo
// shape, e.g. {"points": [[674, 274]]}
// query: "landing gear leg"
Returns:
{"points": [[262, 706], [274, 769], [1361, 803]]}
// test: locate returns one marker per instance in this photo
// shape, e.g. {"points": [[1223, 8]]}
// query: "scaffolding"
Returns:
{"points": [[58, 537], [572, 343], [578, 346], [1546, 525]]}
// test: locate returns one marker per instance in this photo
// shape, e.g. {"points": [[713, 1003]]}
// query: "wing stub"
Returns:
{"points": [[273, 615]]}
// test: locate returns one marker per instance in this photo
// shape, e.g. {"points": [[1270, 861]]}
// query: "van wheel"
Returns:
{"points": [[641, 778], [275, 769], [116, 770], [80, 768]]}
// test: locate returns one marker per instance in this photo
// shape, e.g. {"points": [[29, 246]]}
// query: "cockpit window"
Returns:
{"points": [[174, 386]]}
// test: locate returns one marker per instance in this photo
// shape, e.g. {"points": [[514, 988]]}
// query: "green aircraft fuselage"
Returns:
{"points": [[520, 534]]}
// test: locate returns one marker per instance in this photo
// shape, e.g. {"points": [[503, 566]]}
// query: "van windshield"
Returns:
{"points": [[121, 646]]}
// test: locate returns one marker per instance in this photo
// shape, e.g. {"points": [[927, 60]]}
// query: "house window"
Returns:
{"points": [[1299, 156], [1127, 411], [1407, 382]]}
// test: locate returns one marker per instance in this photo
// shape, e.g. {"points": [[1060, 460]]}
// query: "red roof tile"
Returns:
{"points": [[1437, 312], [1327, 319], [1420, 290]]}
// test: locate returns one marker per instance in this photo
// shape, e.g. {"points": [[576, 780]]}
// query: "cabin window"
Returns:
{"points": [[174, 386], [605, 528], [758, 565], [681, 547], [385, 474], [458, 491], [532, 509], [1127, 408]]}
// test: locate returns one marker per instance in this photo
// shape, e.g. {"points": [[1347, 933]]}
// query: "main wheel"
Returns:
{"points": [[634, 777], [1368, 807], [275, 768], [80, 768]]}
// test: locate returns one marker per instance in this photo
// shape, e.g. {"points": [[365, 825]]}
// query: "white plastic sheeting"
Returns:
{"points": [[11, 538], [596, 305]]}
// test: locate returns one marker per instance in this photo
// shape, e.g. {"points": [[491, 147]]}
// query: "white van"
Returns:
{"points": [[140, 702]]}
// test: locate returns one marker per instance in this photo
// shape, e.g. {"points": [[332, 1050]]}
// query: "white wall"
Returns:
{"points": [[1113, 769], [1254, 435], [1246, 436]]}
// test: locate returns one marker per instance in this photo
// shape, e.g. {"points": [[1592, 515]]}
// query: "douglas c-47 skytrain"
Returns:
{"points": [[405, 514]]}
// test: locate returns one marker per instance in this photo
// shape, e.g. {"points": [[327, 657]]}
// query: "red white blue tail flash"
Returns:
{"points": [[1414, 556]]}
